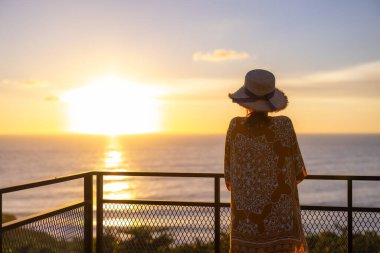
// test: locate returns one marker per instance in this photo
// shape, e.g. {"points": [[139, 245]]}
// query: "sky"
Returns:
{"points": [[175, 62]]}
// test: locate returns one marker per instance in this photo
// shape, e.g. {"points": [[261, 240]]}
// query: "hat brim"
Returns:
{"points": [[279, 100]]}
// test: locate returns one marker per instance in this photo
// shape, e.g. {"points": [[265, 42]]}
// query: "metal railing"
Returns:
{"points": [[216, 205], [181, 226], [70, 224]]}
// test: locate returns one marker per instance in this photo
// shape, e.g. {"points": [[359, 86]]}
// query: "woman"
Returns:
{"points": [[263, 165]]}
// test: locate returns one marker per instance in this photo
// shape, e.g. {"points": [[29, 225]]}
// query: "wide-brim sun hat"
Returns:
{"points": [[259, 92]]}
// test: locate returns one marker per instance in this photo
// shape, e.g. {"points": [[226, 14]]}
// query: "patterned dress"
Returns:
{"points": [[263, 166]]}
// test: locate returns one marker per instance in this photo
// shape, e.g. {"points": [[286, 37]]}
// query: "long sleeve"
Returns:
{"points": [[299, 165], [227, 151]]}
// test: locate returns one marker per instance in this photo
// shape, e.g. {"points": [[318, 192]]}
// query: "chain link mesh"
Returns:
{"points": [[60, 233], [366, 232], [225, 213], [142, 228], [325, 231], [158, 228], [180, 229]]}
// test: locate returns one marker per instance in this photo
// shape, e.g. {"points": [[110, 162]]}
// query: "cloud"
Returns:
{"points": [[51, 98], [357, 80], [35, 83], [199, 89], [366, 72], [219, 55]]}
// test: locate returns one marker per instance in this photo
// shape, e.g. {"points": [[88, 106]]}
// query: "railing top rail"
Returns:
{"points": [[221, 175], [45, 182], [161, 174], [344, 177], [40, 216]]}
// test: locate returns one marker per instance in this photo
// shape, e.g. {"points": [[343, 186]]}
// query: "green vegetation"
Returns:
{"points": [[29, 241], [153, 240], [329, 242], [160, 240], [23, 240]]}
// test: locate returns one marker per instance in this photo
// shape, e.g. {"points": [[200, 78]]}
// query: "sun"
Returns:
{"points": [[112, 106]]}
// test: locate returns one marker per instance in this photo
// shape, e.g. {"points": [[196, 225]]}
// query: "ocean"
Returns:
{"points": [[28, 158]]}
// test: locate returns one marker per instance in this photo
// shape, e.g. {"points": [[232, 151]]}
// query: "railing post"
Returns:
{"points": [[217, 214], [1, 223], [349, 216], [88, 214], [99, 213]]}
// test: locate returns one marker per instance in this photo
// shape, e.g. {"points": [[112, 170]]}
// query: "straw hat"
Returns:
{"points": [[260, 93]]}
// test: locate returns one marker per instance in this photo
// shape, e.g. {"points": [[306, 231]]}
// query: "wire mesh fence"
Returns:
{"points": [[157, 228], [181, 229], [325, 231], [225, 213], [60, 233], [366, 232], [176, 227]]}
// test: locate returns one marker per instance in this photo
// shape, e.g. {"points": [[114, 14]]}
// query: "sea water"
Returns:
{"points": [[28, 158]]}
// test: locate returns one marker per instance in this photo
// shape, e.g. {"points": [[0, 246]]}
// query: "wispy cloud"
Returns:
{"points": [[51, 98], [35, 83], [357, 80], [219, 55], [366, 72]]}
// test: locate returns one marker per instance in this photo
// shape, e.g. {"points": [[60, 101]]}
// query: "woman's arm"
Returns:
{"points": [[300, 169], [227, 151]]}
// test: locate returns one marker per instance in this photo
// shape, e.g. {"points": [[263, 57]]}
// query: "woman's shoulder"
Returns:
{"points": [[236, 122], [282, 120]]}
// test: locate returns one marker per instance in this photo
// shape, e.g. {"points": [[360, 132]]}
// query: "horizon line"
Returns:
{"points": [[164, 134]]}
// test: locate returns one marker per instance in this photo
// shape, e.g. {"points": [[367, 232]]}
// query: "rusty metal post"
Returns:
{"points": [[99, 213], [88, 213], [349, 215], [1, 223], [217, 214]]}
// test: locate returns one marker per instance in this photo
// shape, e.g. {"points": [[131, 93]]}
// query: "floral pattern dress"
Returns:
{"points": [[262, 167]]}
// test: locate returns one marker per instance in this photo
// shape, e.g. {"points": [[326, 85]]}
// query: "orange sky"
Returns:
{"points": [[191, 108], [175, 72]]}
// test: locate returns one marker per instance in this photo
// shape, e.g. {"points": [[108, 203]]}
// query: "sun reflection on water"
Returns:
{"points": [[116, 187], [113, 159]]}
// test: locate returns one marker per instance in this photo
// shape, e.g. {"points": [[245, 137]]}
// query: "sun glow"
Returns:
{"points": [[117, 190], [113, 106], [113, 159]]}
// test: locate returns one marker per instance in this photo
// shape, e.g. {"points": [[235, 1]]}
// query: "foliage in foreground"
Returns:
{"points": [[154, 240], [23, 240], [329, 242], [160, 240]]}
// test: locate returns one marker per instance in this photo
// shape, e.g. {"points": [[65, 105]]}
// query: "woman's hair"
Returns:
{"points": [[257, 119]]}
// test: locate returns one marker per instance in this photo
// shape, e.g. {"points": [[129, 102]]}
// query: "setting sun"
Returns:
{"points": [[112, 106]]}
